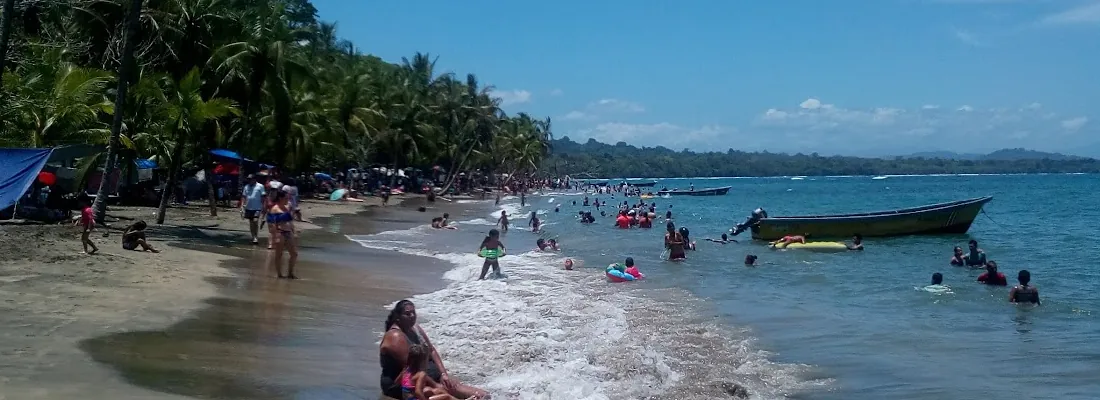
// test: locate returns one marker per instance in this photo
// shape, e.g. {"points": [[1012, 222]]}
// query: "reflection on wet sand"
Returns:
{"points": [[266, 338]]}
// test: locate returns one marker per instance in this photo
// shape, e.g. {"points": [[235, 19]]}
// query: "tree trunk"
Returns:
{"points": [[455, 169], [5, 32], [132, 20], [170, 185], [211, 195]]}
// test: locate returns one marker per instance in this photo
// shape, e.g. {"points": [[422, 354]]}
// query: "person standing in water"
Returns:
{"points": [[1024, 293], [503, 221], [674, 243], [957, 257], [991, 276], [534, 222], [976, 257], [491, 242]]}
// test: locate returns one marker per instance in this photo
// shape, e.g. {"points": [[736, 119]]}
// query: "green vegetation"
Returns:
{"points": [[262, 77], [595, 159]]}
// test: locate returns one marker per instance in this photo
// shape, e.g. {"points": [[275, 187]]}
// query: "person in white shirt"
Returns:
{"points": [[252, 205]]}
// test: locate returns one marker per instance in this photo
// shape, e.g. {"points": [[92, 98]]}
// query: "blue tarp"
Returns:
{"points": [[230, 154], [145, 163], [18, 170]]}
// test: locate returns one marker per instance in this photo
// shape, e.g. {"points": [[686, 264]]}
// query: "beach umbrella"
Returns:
{"points": [[337, 194], [47, 178], [322, 176]]}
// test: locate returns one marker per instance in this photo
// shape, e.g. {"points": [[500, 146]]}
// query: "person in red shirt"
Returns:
{"points": [[622, 221], [991, 276], [87, 223]]}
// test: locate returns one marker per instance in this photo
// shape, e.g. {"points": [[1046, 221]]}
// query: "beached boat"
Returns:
{"points": [[718, 191], [641, 183], [942, 218]]}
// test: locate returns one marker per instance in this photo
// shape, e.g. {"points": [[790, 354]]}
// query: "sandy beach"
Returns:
{"points": [[204, 318]]}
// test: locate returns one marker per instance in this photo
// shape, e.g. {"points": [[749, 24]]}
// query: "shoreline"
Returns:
{"points": [[202, 314]]}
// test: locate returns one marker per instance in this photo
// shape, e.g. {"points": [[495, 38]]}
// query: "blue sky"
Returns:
{"points": [[868, 77]]}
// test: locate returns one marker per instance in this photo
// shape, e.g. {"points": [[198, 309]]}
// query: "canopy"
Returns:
{"points": [[18, 170], [322, 176]]}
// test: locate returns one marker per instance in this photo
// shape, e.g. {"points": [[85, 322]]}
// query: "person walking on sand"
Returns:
{"points": [[87, 224], [282, 221], [252, 205], [492, 248]]}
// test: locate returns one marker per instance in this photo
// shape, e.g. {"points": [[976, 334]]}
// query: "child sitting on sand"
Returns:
{"points": [[134, 237], [415, 382], [491, 242]]}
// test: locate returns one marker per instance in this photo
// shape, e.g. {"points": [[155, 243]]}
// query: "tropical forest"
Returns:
{"points": [[173, 79]]}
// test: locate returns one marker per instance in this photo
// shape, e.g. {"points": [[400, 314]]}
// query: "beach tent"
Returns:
{"points": [[18, 170]]}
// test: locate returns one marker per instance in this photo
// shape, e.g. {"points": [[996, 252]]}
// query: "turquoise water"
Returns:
{"points": [[860, 319]]}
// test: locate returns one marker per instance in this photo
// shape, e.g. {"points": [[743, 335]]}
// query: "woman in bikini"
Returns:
{"points": [[395, 353], [281, 220], [674, 242], [491, 242]]}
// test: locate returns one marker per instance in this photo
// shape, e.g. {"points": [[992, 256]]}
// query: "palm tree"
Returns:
{"points": [[189, 112], [100, 204], [5, 33]]}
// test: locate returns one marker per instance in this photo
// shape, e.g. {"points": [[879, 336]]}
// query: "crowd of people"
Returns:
{"points": [[975, 257]]}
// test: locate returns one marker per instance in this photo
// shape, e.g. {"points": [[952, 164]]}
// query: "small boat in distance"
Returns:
{"points": [[943, 218], [641, 183], [879, 178], [718, 191]]}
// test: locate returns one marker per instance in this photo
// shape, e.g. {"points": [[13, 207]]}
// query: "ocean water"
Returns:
{"points": [[802, 325]]}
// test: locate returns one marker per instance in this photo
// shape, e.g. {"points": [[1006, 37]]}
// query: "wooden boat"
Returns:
{"points": [[942, 218], [641, 183], [718, 191]]}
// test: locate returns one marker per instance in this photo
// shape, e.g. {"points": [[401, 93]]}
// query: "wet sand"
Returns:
{"points": [[204, 318]]}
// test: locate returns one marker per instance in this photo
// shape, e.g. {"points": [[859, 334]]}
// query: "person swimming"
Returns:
{"points": [[937, 286], [787, 240], [1024, 293], [937, 278], [725, 239], [857, 243], [750, 260]]}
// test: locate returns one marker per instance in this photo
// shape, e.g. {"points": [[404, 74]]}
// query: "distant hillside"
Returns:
{"points": [[999, 155], [596, 159]]}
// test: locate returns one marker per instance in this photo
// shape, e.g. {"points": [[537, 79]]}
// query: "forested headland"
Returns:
{"points": [[601, 160], [264, 78]]}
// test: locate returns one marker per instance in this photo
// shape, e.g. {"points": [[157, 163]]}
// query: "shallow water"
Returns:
{"points": [[803, 324]]}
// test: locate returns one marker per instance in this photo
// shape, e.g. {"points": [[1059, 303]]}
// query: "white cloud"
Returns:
{"points": [[814, 125], [556, 92], [604, 107], [967, 37], [672, 136], [512, 97], [1088, 13], [575, 116], [616, 105], [1075, 124]]}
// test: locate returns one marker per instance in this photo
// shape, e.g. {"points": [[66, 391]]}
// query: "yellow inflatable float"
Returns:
{"points": [[815, 246]]}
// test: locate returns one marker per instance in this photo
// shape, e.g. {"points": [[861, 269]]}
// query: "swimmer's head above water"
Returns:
{"points": [[937, 278], [750, 259]]}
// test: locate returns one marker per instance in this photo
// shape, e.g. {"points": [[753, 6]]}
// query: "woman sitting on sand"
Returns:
{"points": [[394, 354], [134, 236]]}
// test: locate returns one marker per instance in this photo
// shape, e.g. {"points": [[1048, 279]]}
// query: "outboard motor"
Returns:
{"points": [[757, 215]]}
